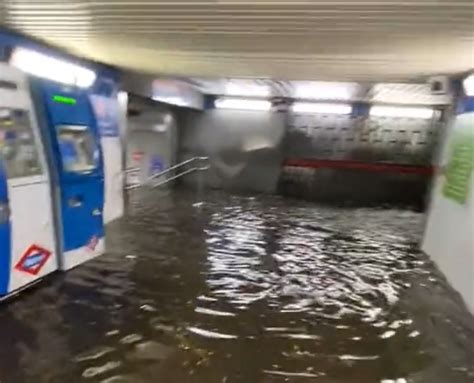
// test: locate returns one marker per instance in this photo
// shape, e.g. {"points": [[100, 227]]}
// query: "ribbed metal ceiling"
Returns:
{"points": [[379, 93], [348, 40]]}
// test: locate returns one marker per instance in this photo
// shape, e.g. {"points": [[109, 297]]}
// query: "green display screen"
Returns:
{"points": [[64, 100]]}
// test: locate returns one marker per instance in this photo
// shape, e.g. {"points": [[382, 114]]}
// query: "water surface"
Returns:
{"points": [[244, 289]]}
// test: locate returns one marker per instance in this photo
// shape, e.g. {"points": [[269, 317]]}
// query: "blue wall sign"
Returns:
{"points": [[156, 164], [106, 111]]}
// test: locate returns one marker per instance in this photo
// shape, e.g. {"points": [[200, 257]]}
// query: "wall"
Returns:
{"points": [[167, 90], [244, 147], [344, 153], [353, 137], [449, 235], [151, 138]]}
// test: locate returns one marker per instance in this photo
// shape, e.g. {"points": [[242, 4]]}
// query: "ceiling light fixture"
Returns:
{"points": [[468, 84], [396, 111], [321, 108], [172, 100], [244, 104], [48, 67], [246, 90], [323, 90]]}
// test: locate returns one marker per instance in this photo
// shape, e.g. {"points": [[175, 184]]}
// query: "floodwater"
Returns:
{"points": [[244, 289]]}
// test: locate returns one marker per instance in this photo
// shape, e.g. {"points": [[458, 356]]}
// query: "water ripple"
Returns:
{"points": [[244, 289]]}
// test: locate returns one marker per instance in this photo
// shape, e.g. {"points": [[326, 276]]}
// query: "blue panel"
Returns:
{"points": [[360, 109], [106, 85], [60, 113], [465, 105], [156, 164], [81, 192], [79, 225], [106, 107], [209, 102], [107, 115], [5, 238]]}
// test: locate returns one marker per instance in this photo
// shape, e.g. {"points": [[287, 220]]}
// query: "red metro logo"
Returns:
{"points": [[33, 259]]}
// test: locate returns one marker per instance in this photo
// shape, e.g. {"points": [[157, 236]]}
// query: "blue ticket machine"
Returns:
{"points": [[27, 230], [69, 126]]}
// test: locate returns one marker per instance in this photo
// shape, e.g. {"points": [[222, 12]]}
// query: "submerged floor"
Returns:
{"points": [[244, 289]]}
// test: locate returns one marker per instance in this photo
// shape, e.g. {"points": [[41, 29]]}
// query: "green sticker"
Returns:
{"points": [[64, 99], [459, 167]]}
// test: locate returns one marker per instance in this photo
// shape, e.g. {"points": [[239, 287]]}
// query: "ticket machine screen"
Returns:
{"points": [[78, 149]]}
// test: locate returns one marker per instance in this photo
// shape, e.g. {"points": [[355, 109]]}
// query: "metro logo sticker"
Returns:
{"points": [[33, 260]]}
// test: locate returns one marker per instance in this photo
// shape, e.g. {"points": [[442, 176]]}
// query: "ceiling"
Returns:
{"points": [[380, 93], [344, 40]]}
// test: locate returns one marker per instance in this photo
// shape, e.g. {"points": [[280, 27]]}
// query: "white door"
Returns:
{"points": [[33, 247]]}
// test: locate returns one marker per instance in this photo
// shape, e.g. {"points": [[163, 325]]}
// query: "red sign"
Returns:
{"points": [[33, 260], [137, 156]]}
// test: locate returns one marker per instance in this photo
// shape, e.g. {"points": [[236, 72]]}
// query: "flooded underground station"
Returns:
{"points": [[244, 289], [233, 230]]}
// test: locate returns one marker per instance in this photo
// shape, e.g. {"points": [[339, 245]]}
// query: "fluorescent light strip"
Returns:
{"points": [[248, 90], [323, 91], [244, 104], [172, 100], [321, 108], [468, 84], [396, 111], [51, 68]]}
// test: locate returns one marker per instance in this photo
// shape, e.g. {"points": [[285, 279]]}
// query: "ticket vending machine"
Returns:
{"points": [[27, 233], [69, 127]]}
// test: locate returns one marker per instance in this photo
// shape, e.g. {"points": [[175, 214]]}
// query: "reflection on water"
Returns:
{"points": [[244, 289]]}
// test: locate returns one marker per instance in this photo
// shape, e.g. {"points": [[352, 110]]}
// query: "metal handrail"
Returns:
{"points": [[168, 170], [180, 165], [131, 170]]}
